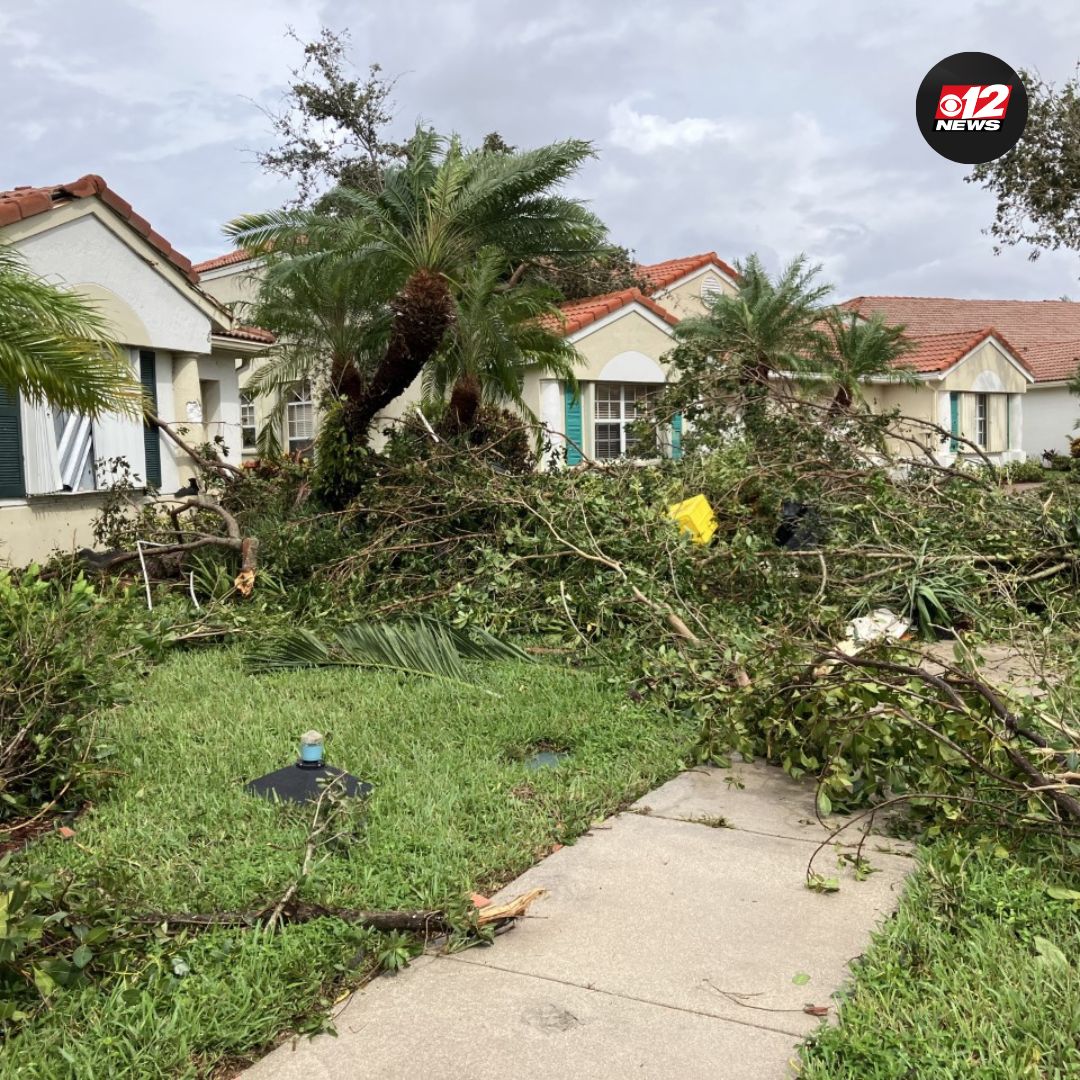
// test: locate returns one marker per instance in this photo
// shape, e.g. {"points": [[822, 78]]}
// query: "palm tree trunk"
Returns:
{"points": [[841, 403], [465, 402], [423, 312]]}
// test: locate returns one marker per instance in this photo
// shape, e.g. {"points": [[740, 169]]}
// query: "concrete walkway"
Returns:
{"points": [[677, 940]]}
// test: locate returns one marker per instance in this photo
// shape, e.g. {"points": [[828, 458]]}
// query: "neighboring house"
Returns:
{"points": [[621, 338], [184, 347], [996, 371]]}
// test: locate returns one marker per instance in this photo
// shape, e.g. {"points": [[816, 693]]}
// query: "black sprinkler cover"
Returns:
{"points": [[304, 783]]}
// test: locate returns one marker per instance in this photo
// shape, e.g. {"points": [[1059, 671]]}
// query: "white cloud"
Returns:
{"points": [[645, 133]]}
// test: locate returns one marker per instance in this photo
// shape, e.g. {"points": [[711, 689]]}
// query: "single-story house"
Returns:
{"points": [[621, 339], [996, 371], [184, 346]]}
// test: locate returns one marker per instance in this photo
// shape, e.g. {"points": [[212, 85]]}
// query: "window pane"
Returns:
{"points": [[606, 401], [607, 443]]}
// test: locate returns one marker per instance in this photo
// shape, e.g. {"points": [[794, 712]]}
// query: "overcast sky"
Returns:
{"points": [[738, 126]]}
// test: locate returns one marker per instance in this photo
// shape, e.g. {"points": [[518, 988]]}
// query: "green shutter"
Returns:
{"points": [[151, 438], [573, 426], [954, 420], [676, 437], [11, 458]]}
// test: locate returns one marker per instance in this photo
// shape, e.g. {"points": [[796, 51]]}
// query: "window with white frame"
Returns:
{"points": [[247, 420], [982, 420], [616, 408], [300, 419]]}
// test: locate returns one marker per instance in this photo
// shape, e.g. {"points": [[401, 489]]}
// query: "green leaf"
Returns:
{"points": [[801, 979], [1058, 892], [824, 803], [1050, 953], [82, 956], [44, 982]]}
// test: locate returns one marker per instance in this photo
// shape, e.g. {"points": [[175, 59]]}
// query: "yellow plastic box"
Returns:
{"points": [[695, 515]]}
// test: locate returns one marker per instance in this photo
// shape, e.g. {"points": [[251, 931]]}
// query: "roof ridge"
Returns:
{"points": [[20, 203]]}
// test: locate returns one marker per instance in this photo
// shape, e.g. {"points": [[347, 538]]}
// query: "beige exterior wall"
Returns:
{"points": [[971, 373], [686, 298], [31, 530], [625, 347], [234, 286]]}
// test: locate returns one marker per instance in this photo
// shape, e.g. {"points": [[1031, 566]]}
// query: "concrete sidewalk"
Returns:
{"points": [[677, 940]]}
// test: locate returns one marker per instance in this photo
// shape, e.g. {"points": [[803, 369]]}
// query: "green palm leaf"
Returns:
{"points": [[53, 346], [423, 647]]}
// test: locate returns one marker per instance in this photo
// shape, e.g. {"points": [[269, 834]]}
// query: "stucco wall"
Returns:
{"points": [[986, 370], [685, 299], [145, 308], [235, 287], [31, 530], [1050, 416]]}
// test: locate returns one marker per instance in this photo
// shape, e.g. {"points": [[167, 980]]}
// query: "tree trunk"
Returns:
{"points": [[423, 312], [841, 403], [465, 402]]}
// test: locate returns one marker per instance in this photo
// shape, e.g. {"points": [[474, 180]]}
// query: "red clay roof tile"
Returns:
{"points": [[662, 274], [230, 258], [1045, 334], [577, 314], [248, 333], [24, 202]]}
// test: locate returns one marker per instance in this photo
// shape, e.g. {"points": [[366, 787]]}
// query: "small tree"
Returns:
{"points": [[333, 125]]}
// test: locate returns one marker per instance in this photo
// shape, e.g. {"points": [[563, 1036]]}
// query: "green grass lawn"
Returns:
{"points": [[976, 977], [454, 811]]}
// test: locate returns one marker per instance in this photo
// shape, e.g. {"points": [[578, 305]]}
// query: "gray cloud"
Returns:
{"points": [[779, 128]]}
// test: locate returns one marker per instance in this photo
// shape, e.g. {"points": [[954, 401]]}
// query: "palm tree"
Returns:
{"points": [[860, 348], [316, 303], [411, 244], [769, 327], [498, 333], [53, 346]]}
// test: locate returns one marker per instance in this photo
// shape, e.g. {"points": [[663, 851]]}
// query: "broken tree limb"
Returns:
{"points": [[429, 923], [214, 464]]}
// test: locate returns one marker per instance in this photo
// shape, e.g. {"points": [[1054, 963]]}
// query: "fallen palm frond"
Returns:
{"points": [[420, 646]]}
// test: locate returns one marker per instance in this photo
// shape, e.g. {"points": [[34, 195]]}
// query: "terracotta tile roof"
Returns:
{"points": [[662, 274], [230, 258], [25, 202], [1044, 333], [1055, 360], [248, 333], [938, 352], [577, 314]]}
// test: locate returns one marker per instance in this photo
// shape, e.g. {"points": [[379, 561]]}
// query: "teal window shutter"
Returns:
{"points": [[676, 436], [12, 485], [954, 420], [151, 437], [573, 428]]}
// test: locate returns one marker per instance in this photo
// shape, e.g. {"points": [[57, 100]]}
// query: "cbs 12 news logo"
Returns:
{"points": [[971, 107]]}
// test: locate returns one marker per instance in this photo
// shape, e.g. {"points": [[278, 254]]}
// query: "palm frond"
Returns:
{"points": [[54, 346], [423, 647]]}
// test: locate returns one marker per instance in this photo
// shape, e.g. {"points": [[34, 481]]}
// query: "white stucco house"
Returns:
{"points": [[184, 346]]}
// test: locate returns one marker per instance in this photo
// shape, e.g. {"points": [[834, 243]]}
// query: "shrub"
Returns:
{"points": [[61, 653], [1022, 472]]}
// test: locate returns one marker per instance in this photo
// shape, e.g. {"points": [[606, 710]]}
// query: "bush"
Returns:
{"points": [[1022, 472], [62, 652]]}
